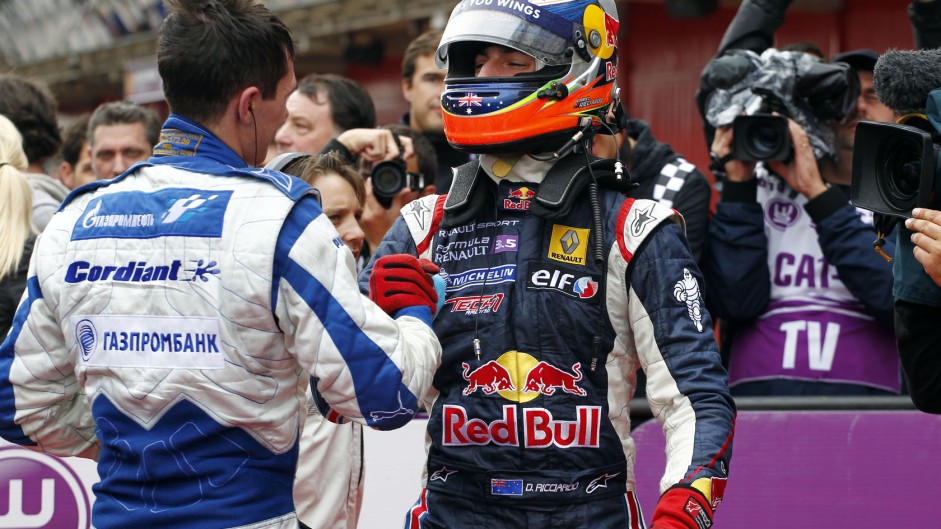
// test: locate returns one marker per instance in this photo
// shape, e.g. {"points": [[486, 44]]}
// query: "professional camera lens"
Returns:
{"points": [[903, 167], [894, 168], [761, 137], [388, 178], [763, 140]]}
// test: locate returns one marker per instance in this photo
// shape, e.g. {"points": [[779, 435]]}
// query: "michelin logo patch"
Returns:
{"points": [[481, 276], [148, 342], [140, 215], [687, 291]]}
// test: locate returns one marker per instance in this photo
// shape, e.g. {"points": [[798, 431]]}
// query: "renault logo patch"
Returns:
{"points": [[568, 244]]}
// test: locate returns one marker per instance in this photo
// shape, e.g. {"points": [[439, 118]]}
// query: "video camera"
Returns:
{"points": [[757, 93], [896, 166]]}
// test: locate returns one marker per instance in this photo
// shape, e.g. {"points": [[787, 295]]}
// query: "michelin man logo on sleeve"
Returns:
{"points": [[687, 290]]}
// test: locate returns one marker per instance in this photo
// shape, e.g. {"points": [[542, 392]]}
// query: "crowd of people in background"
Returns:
{"points": [[786, 271]]}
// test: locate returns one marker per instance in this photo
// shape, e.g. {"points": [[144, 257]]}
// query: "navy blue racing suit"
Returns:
{"points": [[538, 426]]}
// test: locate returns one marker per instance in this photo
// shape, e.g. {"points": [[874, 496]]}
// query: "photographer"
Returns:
{"points": [[916, 324], [806, 310]]}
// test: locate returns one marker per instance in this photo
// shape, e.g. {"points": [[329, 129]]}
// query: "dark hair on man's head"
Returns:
{"points": [[350, 104], [210, 50], [73, 140], [424, 150], [424, 44], [124, 113], [314, 166], [31, 107], [805, 46]]}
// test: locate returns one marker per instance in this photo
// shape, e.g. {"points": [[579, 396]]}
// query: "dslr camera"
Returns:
{"points": [[391, 177], [755, 94], [895, 166]]}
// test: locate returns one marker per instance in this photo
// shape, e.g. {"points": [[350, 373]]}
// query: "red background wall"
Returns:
{"points": [[662, 57]]}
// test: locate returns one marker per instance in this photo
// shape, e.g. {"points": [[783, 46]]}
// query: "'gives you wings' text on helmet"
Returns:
{"points": [[574, 43]]}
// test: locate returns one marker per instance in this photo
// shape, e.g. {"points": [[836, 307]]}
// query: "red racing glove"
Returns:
{"points": [[682, 507], [400, 281]]}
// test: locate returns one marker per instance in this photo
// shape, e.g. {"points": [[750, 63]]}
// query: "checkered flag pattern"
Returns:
{"points": [[671, 180]]}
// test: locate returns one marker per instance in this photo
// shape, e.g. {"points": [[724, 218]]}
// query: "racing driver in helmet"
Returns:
{"points": [[559, 287]]}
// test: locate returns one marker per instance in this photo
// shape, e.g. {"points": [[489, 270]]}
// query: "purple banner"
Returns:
{"points": [[820, 346], [40, 491], [791, 470]]}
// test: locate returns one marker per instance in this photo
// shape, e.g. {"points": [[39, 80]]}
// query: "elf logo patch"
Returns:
{"points": [[568, 244], [572, 282]]}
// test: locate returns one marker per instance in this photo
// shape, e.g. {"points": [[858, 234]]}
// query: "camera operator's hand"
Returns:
{"points": [[801, 173], [735, 170], [376, 145], [926, 223]]}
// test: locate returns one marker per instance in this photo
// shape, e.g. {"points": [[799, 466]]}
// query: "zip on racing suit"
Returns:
{"points": [[537, 429], [171, 319]]}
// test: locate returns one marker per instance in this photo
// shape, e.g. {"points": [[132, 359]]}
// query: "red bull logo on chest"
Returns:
{"points": [[539, 428], [519, 377], [518, 199]]}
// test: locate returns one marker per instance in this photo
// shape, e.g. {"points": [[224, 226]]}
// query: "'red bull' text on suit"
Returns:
{"points": [[540, 418]]}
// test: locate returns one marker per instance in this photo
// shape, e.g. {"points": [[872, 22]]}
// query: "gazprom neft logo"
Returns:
{"points": [[94, 219], [41, 492], [168, 342], [142, 215]]}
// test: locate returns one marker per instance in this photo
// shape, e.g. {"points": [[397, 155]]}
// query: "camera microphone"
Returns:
{"points": [[903, 79]]}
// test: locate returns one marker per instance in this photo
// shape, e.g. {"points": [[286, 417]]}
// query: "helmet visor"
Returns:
{"points": [[536, 32]]}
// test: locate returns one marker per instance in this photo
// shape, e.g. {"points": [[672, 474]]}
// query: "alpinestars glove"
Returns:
{"points": [[400, 281]]}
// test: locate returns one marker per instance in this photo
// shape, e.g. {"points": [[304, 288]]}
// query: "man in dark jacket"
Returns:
{"points": [[422, 84], [662, 175]]}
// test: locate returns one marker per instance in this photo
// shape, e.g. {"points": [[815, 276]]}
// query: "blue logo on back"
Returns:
{"points": [[87, 336], [142, 215]]}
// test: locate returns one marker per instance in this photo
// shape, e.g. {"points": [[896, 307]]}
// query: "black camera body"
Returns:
{"points": [[760, 138], [390, 177], [756, 94], [895, 166]]}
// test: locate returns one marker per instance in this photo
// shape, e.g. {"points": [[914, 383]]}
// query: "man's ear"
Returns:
{"points": [[65, 174], [245, 107], [407, 90]]}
